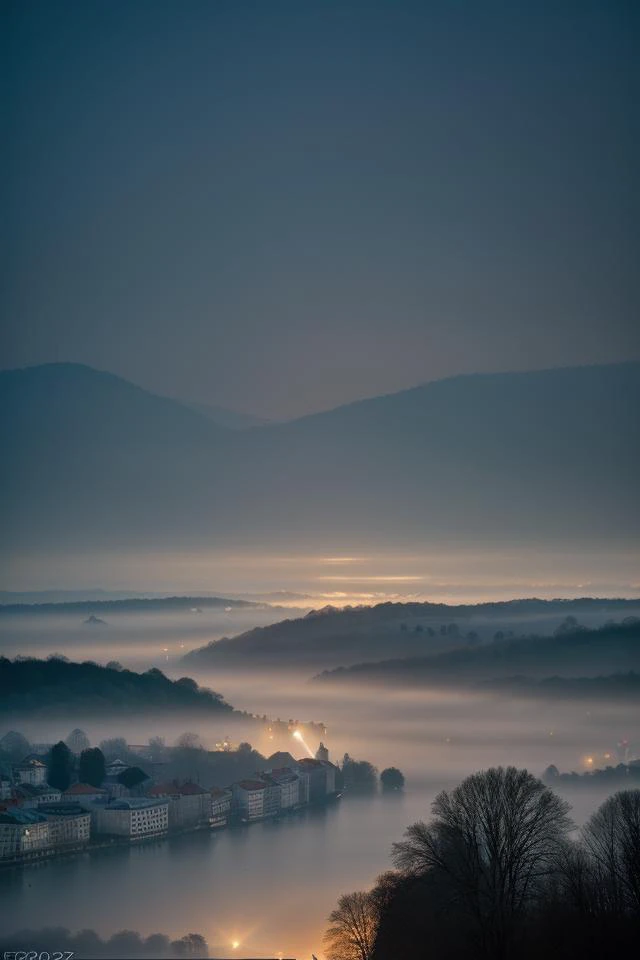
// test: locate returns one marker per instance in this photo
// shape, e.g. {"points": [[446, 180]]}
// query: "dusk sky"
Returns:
{"points": [[283, 206]]}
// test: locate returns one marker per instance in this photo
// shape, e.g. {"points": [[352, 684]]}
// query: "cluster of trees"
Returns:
{"points": [[622, 775], [614, 686], [14, 747], [444, 630], [360, 776], [187, 759], [121, 946], [357, 776], [57, 686], [573, 651], [63, 768], [499, 874]]}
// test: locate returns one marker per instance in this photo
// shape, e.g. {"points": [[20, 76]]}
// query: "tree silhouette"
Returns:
{"points": [[493, 841], [191, 945], [354, 924], [59, 766], [132, 777], [358, 775], [612, 842], [392, 779], [77, 741], [188, 741], [115, 748], [15, 746], [91, 768]]}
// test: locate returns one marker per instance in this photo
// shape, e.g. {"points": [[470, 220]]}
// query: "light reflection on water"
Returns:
{"points": [[272, 886]]}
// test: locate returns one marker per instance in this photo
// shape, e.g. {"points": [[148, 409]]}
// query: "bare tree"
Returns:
{"points": [[612, 842], [494, 841], [188, 741], [354, 924]]}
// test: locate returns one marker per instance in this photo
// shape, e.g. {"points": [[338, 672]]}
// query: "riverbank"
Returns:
{"points": [[39, 857]]}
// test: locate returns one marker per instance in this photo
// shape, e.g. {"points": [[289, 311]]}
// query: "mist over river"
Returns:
{"points": [[272, 885]]}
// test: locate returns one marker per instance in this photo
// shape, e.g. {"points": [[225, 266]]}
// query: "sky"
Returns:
{"points": [[280, 207]]}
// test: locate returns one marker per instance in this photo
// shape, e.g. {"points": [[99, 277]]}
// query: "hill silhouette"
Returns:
{"points": [[329, 638], [523, 663], [57, 686]]}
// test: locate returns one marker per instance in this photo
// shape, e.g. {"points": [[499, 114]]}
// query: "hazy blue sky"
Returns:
{"points": [[282, 206]]}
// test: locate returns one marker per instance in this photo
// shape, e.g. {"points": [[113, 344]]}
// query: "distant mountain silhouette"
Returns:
{"points": [[130, 605], [230, 419], [91, 460]]}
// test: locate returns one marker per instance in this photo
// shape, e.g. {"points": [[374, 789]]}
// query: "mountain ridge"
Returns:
{"points": [[93, 459]]}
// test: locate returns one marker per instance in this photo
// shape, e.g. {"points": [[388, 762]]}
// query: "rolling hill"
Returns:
{"points": [[90, 460], [55, 686], [329, 638], [520, 663]]}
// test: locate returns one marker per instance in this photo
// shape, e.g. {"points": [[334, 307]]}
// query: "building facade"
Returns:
{"points": [[23, 834], [189, 803], [248, 799], [134, 817], [69, 824], [220, 807], [289, 784], [271, 796], [31, 771], [316, 772], [29, 796]]}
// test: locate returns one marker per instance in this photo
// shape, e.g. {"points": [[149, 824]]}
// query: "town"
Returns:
{"points": [[129, 805]]}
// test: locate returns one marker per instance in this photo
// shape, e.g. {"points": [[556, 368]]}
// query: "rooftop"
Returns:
{"points": [[216, 792], [35, 790], [29, 763], [82, 790], [63, 810], [251, 785], [282, 759], [20, 816], [133, 803], [283, 776], [173, 788], [268, 779]]}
